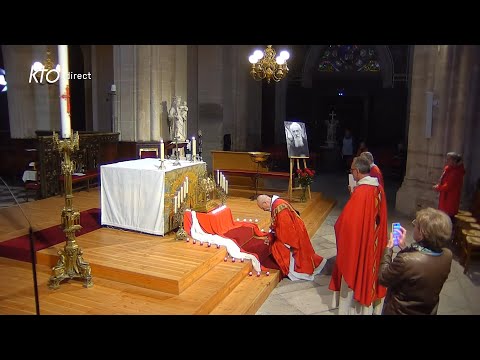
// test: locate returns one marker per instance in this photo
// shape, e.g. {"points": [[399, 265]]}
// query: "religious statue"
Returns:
{"points": [[183, 111], [331, 129], [177, 119]]}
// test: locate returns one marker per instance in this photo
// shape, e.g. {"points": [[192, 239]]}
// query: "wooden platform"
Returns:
{"points": [[135, 273]]}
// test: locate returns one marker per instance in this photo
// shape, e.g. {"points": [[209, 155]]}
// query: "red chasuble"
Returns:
{"points": [[361, 232], [375, 172], [450, 189], [290, 229]]}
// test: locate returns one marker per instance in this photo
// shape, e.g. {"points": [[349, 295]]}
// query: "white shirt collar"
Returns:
{"points": [[368, 180], [274, 197]]}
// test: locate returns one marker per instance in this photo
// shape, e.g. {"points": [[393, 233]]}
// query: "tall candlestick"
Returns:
{"points": [[162, 150], [194, 147], [64, 92], [226, 186]]}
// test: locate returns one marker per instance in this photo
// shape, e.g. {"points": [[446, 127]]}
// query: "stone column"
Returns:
{"points": [[167, 84], [155, 100], [142, 91], [124, 74], [28, 103], [444, 71]]}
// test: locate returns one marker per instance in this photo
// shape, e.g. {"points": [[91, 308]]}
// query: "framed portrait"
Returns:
{"points": [[296, 136]]}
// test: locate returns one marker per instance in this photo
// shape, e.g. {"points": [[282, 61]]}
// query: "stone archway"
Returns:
{"points": [[384, 58]]}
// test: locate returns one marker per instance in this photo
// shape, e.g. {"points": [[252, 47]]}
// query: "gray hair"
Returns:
{"points": [[456, 157], [367, 155], [436, 227], [361, 164]]}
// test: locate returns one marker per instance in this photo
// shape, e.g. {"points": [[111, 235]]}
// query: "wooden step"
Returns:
{"points": [[249, 295], [112, 297], [164, 266]]}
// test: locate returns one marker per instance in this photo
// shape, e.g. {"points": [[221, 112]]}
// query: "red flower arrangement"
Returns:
{"points": [[305, 177]]}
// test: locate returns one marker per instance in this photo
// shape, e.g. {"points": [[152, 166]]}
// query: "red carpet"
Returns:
{"points": [[19, 248]]}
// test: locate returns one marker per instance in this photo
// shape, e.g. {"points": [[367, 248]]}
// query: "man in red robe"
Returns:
{"points": [[290, 244], [450, 185], [374, 169], [361, 234]]}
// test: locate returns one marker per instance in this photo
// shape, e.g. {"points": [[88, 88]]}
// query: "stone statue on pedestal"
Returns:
{"points": [[177, 119], [331, 129]]}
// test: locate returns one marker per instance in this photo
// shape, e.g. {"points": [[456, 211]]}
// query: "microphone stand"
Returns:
{"points": [[32, 250]]}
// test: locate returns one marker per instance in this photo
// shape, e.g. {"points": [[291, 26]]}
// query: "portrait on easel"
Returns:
{"points": [[296, 135]]}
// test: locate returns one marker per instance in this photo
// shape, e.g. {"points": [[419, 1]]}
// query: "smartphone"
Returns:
{"points": [[396, 233]]}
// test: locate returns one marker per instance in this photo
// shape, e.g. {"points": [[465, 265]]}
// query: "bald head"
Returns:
{"points": [[264, 202]]}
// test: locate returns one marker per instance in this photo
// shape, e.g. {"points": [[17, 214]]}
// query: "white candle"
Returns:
{"points": [[175, 204], [186, 180], [162, 150], [218, 177], [64, 92], [181, 194], [194, 147], [226, 186]]}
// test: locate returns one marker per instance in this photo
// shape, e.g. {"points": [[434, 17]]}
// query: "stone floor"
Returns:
{"points": [[459, 296]]}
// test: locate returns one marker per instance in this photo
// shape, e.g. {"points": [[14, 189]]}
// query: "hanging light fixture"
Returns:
{"points": [[266, 65], [42, 70]]}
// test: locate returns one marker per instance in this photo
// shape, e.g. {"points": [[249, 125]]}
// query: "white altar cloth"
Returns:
{"points": [[132, 194]]}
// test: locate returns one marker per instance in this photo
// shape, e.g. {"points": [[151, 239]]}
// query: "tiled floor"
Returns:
{"points": [[6, 198], [459, 296]]}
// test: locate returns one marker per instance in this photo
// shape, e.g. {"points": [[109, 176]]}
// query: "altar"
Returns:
{"points": [[137, 195]]}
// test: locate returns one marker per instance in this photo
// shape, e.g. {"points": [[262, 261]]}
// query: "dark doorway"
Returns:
{"points": [[348, 111]]}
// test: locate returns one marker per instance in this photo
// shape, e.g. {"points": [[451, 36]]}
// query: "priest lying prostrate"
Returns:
{"points": [[289, 240]]}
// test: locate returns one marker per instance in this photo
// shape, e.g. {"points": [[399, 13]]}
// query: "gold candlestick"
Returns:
{"points": [[70, 264], [178, 220]]}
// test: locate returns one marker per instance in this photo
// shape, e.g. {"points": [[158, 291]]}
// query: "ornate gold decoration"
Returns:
{"points": [[86, 159], [259, 156], [70, 263], [266, 65], [205, 194], [178, 220], [42, 69]]}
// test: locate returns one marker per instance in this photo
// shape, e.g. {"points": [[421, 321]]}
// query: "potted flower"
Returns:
{"points": [[305, 179]]}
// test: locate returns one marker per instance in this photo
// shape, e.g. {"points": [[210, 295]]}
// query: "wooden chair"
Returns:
{"points": [[144, 153], [470, 246]]}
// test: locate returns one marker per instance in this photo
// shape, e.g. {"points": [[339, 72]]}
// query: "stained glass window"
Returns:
{"points": [[346, 58]]}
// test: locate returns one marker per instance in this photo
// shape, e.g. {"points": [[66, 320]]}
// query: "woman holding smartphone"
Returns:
{"points": [[415, 277]]}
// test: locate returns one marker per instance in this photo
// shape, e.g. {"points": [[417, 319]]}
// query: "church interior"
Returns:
{"points": [[213, 124]]}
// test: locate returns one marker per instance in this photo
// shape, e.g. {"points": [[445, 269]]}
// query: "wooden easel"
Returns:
{"points": [[295, 160]]}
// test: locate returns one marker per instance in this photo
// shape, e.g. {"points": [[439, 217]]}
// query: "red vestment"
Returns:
{"points": [[375, 172], [450, 189], [361, 233], [289, 229]]}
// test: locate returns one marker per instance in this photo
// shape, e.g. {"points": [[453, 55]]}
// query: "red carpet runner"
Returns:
{"points": [[19, 248]]}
